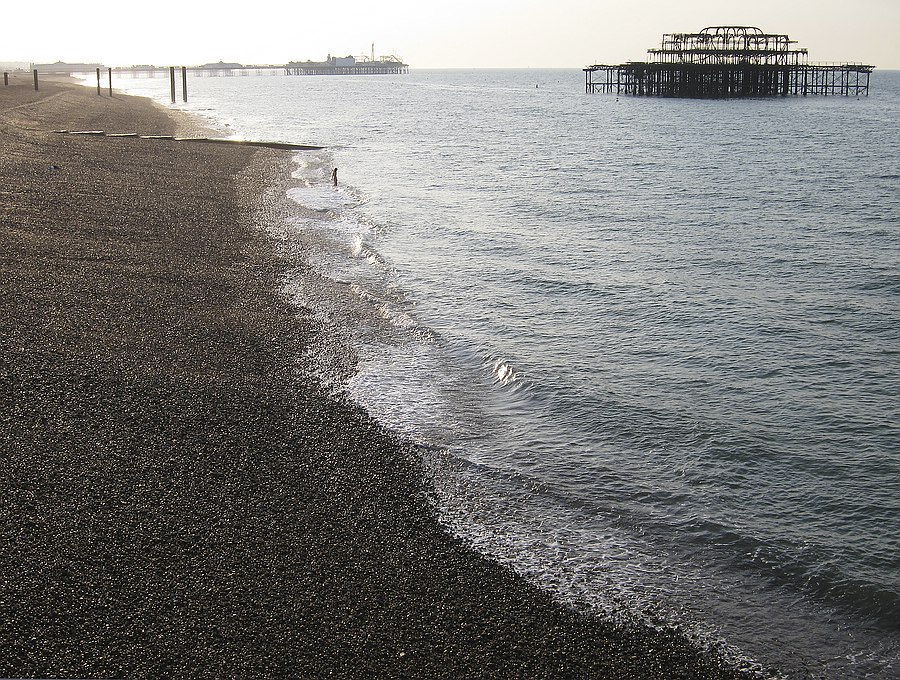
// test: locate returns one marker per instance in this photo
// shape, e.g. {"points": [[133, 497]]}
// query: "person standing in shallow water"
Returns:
{"points": [[334, 176]]}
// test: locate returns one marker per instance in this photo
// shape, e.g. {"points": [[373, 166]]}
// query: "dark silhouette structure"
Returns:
{"points": [[728, 61]]}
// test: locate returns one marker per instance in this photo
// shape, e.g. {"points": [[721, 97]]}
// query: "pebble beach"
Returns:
{"points": [[177, 497]]}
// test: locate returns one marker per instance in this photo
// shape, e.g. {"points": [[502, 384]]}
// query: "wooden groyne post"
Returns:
{"points": [[347, 67], [35, 80], [184, 83], [110, 81], [6, 78], [98, 81], [172, 82]]}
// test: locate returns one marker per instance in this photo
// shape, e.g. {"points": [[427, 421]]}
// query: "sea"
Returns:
{"points": [[649, 348]]}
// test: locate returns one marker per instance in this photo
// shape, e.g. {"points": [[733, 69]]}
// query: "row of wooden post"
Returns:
{"points": [[171, 81], [6, 79], [183, 83], [109, 71], [110, 82]]}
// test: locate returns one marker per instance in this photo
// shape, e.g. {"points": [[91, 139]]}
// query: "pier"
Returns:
{"points": [[728, 61], [348, 66], [333, 66]]}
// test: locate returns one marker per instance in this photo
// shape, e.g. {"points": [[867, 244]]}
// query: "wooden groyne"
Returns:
{"points": [[728, 61], [199, 140]]}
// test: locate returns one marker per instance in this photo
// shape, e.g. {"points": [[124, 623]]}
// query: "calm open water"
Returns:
{"points": [[650, 347]]}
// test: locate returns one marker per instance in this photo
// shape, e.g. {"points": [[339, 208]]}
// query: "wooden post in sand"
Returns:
{"points": [[184, 83], [35, 80], [5, 78], [98, 81], [172, 82], [110, 81]]}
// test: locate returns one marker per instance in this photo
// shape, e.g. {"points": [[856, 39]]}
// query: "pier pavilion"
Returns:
{"points": [[347, 66], [728, 61]]}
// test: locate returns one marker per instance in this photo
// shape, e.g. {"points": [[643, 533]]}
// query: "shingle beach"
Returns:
{"points": [[176, 499]]}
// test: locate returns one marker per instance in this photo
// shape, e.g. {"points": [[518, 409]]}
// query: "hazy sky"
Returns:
{"points": [[455, 33]]}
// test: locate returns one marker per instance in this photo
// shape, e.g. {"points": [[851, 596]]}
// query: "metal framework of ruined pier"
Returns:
{"points": [[728, 61]]}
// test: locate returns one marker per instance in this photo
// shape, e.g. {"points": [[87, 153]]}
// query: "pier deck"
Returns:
{"points": [[359, 68]]}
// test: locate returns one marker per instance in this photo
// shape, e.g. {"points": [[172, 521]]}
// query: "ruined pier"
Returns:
{"points": [[728, 61]]}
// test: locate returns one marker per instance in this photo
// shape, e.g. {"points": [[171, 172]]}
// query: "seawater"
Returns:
{"points": [[650, 348]]}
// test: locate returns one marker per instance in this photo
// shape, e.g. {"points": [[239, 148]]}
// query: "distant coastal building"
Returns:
{"points": [[66, 68], [221, 65], [728, 61]]}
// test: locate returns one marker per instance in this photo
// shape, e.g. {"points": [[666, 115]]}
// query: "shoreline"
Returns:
{"points": [[176, 501]]}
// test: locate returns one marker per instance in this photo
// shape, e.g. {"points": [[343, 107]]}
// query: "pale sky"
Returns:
{"points": [[438, 34]]}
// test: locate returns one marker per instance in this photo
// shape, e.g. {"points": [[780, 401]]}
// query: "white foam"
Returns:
{"points": [[396, 317], [322, 197], [361, 250], [362, 293], [309, 169], [503, 372]]}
